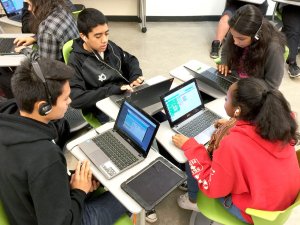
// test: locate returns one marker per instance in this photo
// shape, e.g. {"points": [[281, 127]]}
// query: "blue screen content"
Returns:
{"points": [[12, 5], [137, 126], [182, 101]]}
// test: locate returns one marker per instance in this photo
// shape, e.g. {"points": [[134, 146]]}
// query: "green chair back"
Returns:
{"points": [[213, 209], [3, 217], [67, 48], [78, 9]]}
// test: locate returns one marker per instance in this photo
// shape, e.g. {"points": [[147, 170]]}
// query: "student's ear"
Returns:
{"points": [[83, 37], [237, 112]]}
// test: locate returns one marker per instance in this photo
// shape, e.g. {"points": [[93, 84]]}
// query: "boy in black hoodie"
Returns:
{"points": [[102, 67], [35, 187]]}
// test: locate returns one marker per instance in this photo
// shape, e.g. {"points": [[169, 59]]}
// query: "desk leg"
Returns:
{"points": [[142, 14], [142, 217]]}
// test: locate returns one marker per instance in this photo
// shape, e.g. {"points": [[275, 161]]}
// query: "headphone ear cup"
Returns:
{"points": [[45, 108]]}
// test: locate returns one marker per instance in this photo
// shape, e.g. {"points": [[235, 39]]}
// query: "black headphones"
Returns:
{"points": [[256, 35], [46, 107]]}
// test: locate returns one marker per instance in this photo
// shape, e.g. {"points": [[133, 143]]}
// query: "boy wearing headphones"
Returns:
{"points": [[102, 67], [35, 187]]}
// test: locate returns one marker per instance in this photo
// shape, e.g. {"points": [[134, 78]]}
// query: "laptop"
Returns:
{"points": [[212, 77], [124, 146], [146, 97], [186, 113], [13, 9], [7, 46]]}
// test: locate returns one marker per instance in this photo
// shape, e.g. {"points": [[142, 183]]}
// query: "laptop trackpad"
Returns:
{"points": [[205, 136]]}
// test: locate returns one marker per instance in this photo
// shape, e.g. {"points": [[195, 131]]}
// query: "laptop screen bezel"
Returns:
{"points": [[187, 115], [17, 12], [132, 142]]}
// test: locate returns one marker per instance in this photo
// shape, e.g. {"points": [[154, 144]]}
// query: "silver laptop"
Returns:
{"points": [[122, 147], [13, 9], [7, 46], [186, 112], [146, 97]]}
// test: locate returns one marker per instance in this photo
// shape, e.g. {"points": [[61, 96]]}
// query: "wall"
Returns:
{"points": [[162, 7]]}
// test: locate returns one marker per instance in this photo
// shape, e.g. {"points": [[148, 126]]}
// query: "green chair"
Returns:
{"points": [[3, 217], [89, 117], [78, 9], [213, 209]]}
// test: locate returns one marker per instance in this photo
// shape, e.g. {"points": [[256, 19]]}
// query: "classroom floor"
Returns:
{"points": [[165, 46]]}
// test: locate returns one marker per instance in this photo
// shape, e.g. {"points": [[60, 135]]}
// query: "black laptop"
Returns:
{"points": [[13, 9], [146, 97]]}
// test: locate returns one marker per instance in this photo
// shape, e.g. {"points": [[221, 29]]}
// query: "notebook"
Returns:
{"points": [[13, 9], [7, 46], [146, 97], [186, 113], [122, 147], [212, 77]]}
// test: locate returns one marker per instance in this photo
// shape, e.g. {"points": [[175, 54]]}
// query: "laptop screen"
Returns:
{"points": [[12, 6], [137, 126], [182, 101]]}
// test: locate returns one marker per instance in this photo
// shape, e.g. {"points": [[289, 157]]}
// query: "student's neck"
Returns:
{"points": [[87, 48], [35, 116]]}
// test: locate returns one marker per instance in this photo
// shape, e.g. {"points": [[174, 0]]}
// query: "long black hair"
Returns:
{"points": [[267, 109], [248, 20]]}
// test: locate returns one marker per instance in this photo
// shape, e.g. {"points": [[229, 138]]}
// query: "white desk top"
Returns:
{"points": [[4, 19], [114, 184], [12, 60], [184, 74], [288, 2]]}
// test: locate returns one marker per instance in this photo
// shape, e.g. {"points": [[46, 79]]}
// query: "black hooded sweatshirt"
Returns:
{"points": [[34, 185], [97, 78]]}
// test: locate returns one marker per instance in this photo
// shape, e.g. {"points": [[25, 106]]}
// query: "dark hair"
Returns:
{"points": [[248, 20], [88, 19], [42, 9], [28, 88], [267, 109]]}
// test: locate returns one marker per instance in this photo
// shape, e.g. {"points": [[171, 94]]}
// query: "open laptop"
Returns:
{"points": [[13, 9], [7, 46], [146, 97], [212, 77], [186, 112], [127, 144]]}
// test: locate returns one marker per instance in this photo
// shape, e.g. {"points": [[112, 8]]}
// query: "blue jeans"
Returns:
{"points": [[102, 210], [193, 190]]}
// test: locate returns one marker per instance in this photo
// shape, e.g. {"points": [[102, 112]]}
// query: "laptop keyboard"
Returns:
{"points": [[221, 82], [199, 124], [115, 150], [6, 45]]}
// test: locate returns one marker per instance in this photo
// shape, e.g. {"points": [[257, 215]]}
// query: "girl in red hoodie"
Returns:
{"points": [[255, 165]]}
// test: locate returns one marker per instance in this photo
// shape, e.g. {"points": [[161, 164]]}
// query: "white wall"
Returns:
{"points": [[162, 7]]}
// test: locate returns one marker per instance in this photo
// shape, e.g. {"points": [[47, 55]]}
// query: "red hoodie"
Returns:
{"points": [[257, 173]]}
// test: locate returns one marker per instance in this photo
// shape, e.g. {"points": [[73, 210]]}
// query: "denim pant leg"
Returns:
{"points": [[102, 210], [192, 183], [231, 208]]}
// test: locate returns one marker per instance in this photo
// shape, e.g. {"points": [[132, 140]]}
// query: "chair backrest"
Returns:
{"points": [[3, 217], [261, 217], [67, 48], [78, 9], [212, 209]]}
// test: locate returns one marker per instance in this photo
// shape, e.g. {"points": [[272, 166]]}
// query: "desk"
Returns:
{"points": [[286, 2], [184, 74], [4, 19], [114, 184], [12, 60]]}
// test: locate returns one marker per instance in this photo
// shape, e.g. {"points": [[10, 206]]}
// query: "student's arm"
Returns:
{"points": [[274, 65], [212, 178], [53, 200], [48, 46], [130, 64], [223, 66]]}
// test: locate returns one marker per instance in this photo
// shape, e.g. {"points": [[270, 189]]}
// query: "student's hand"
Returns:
{"points": [[82, 178], [220, 122], [223, 69], [179, 139], [18, 49], [137, 82], [126, 87], [95, 185], [24, 41]]}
